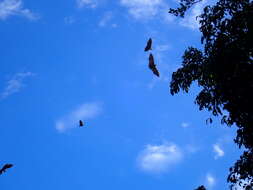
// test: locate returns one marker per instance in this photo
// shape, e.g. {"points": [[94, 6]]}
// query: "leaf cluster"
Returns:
{"points": [[224, 71]]}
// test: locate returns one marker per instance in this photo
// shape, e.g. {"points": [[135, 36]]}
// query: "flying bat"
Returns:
{"points": [[148, 46], [5, 167], [152, 65], [81, 123]]}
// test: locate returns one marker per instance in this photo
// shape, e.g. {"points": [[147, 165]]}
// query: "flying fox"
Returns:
{"points": [[148, 46], [81, 124], [152, 65]]}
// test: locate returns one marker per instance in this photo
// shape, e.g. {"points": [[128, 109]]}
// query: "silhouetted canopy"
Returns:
{"points": [[223, 68]]}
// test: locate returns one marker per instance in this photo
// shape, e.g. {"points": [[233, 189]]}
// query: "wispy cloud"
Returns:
{"points": [[15, 84], [82, 112], [190, 20], [144, 9], [15, 7], [87, 3], [218, 151], [159, 158], [106, 20], [191, 148], [69, 20], [185, 124], [210, 180], [162, 47], [153, 82]]}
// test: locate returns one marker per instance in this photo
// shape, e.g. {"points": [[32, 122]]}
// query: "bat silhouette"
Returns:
{"points": [[5, 167], [81, 123], [148, 46], [152, 65]]}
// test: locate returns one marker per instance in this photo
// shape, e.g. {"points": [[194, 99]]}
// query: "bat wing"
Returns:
{"points": [[151, 61], [148, 46], [152, 65], [5, 167], [155, 71]]}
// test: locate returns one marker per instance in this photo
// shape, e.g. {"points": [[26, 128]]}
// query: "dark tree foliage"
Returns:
{"points": [[224, 71], [201, 188], [242, 172]]}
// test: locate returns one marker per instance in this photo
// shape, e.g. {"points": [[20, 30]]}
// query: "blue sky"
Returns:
{"points": [[62, 61]]}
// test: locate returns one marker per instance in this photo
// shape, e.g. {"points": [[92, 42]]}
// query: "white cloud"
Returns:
{"points": [[83, 112], [153, 82], [15, 84], [87, 3], [185, 124], [192, 148], [69, 20], [162, 47], [159, 158], [210, 180], [168, 18], [15, 7], [107, 17], [218, 151], [143, 9], [190, 20], [114, 25]]}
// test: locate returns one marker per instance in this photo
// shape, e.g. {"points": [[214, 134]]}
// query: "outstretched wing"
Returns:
{"points": [[5, 167], [152, 65], [148, 46]]}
